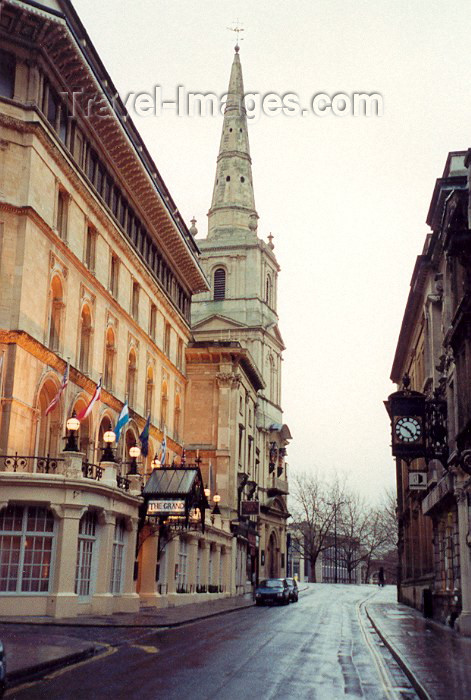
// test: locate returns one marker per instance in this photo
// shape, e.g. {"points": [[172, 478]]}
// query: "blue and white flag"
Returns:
{"points": [[122, 420], [163, 450]]}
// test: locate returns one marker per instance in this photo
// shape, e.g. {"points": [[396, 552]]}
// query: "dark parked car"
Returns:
{"points": [[272, 590], [293, 589]]}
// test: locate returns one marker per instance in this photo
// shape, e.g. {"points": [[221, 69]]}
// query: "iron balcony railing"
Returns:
{"points": [[30, 464]]}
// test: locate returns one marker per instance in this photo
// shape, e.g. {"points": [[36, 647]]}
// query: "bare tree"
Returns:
{"points": [[328, 515], [354, 525], [315, 504]]}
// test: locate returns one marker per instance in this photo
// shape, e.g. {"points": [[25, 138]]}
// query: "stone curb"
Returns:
{"points": [[29, 673], [417, 685]]}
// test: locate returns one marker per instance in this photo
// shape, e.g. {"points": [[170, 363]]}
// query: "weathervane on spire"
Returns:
{"points": [[237, 28]]}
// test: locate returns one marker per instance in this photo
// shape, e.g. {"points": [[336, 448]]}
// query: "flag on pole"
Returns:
{"points": [[56, 399], [123, 418], [144, 438], [163, 450], [96, 397]]}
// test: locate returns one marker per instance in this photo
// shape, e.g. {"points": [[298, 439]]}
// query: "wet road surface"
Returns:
{"points": [[321, 648]]}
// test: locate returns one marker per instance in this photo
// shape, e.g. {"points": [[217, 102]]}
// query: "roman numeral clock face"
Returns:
{"points": [[408, 430]]}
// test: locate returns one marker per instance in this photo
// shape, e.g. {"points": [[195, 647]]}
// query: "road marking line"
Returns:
{"points": [[148, 649], [386, 679], [50, 676]]}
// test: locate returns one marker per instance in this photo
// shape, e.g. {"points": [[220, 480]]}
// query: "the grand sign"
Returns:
{"points": [[166, 507]]}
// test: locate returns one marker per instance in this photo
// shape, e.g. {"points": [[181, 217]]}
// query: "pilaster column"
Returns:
{"points": [[102, 601], [204, 563], [216, 562], [171, 552], [192, 557], [148, 566], [63, 600]]}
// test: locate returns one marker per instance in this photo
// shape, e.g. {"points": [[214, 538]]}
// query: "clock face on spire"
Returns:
{"points": [[408, 429]]}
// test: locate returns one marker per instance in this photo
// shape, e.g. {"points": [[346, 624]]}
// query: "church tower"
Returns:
{"points": [[241, 267], [234, 365]]}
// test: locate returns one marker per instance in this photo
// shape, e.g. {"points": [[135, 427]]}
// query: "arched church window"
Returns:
{"points": [[268, 291], [219, 284]]}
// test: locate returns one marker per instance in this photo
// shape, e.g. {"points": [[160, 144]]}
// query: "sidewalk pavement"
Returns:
{"points": [[436, 659], [37, 645]]}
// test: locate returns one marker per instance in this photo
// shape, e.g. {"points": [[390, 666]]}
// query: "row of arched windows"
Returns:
{"points": [[50, 429], [84, 348]]}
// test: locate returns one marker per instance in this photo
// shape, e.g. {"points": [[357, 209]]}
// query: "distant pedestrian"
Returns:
{"points": [[381, 577]]}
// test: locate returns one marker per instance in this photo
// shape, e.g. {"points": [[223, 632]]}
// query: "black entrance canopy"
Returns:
{"points": [[175, 492]]}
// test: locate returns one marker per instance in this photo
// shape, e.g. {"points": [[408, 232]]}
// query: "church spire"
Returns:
{"points": [[233, 205]]}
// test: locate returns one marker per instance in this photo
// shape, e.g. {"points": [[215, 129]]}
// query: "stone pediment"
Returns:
{"points": [[216, 322], [277, 334]]}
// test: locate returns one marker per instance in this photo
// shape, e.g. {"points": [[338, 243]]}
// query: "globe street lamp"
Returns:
{"points": [[109, 437], [134, 453], [72, 425]]}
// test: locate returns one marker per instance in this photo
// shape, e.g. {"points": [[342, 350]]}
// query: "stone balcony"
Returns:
{"points": [[277, 487], [70, 465]]}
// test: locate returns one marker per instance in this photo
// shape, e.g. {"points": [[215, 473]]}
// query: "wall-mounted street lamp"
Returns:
{"points": [[216, 500], [109, 438], [207, 492], [134, 453], [156, 463], [72, 425]]}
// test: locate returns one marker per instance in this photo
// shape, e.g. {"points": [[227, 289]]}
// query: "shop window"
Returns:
{"points": [[117, 559], [85, 554], [7, 74], [182, 572], [26, 549]]}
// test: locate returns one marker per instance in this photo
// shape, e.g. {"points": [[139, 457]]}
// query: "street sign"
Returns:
{"points": [[250, 508], [418, 481], [165, 507]]}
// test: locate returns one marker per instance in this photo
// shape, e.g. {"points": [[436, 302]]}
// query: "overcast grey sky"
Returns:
{"points": [[345, 197]]}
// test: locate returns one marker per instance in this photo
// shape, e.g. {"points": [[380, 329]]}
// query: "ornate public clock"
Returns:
{"points": [[408, 429], [407, 412]]}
